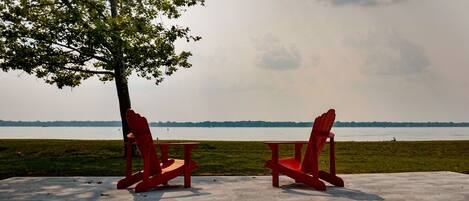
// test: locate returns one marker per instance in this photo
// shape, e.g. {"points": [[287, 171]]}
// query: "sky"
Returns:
{"points": [[285, 60]]}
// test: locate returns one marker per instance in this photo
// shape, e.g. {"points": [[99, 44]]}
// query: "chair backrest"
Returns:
{"points": [[139, 127], [321, 128]]}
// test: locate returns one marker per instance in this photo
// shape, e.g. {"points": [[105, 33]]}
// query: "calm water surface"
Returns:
{"points": [[238, 134]]}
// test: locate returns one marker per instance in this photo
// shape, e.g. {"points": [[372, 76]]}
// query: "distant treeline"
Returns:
{"points": [[227, 124]]}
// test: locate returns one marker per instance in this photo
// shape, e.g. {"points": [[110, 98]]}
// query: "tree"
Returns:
{"points": [[67, 41]]}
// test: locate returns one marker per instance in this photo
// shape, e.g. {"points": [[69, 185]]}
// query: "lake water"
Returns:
{"points": [[238, 134]]}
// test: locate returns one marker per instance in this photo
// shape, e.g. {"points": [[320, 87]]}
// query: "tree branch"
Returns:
{"points": [[89, 71], [77, 50], [67, 3], [43, 4], [76, 69], [71, 48]]}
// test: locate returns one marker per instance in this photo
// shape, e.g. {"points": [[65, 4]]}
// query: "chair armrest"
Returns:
{"points": [[286, 142], [273, 145], [187, 148], [178, 143]]}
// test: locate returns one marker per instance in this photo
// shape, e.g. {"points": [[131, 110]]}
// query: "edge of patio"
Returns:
{"points": [[389, 186]]}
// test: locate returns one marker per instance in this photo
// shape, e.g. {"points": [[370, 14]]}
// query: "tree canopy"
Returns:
{"points": [[67, 41]]}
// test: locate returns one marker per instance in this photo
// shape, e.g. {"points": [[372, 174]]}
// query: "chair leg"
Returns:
{"points": [[332, 179], [331, 176], [141, 187], [275, 177], [275, 172], [315, 183], [187, 179], [130, 180], [332, 156]]}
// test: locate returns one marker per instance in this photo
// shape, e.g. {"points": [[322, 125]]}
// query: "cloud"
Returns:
{"points": [[387, 53], [362, 2], [272, 54]]}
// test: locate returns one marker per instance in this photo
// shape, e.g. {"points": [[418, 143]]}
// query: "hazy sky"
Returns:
{"points": [[383, 60]]}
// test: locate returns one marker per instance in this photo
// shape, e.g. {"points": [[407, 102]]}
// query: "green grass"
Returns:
{"points": [[104, 158]]}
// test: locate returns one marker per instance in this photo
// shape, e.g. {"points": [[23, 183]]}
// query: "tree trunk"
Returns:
{"points": [[124, 100], [121, 81]]}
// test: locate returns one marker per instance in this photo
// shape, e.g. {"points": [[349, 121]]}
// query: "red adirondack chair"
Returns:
{"points": [[307, 171], [154, 172]]}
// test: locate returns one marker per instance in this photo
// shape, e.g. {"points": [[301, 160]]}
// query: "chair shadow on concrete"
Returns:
{"points": [[64, 188], [331, 191], [158, 192], [55, 188]]}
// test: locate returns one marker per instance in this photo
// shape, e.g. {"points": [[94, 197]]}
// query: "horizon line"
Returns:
{"points": [[223, 121]]}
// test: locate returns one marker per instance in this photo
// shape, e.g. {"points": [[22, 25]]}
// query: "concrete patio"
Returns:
{"points": [[392, 186]]}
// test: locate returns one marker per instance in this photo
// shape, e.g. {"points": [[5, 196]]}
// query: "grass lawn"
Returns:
{"points": [[104, 158]]}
